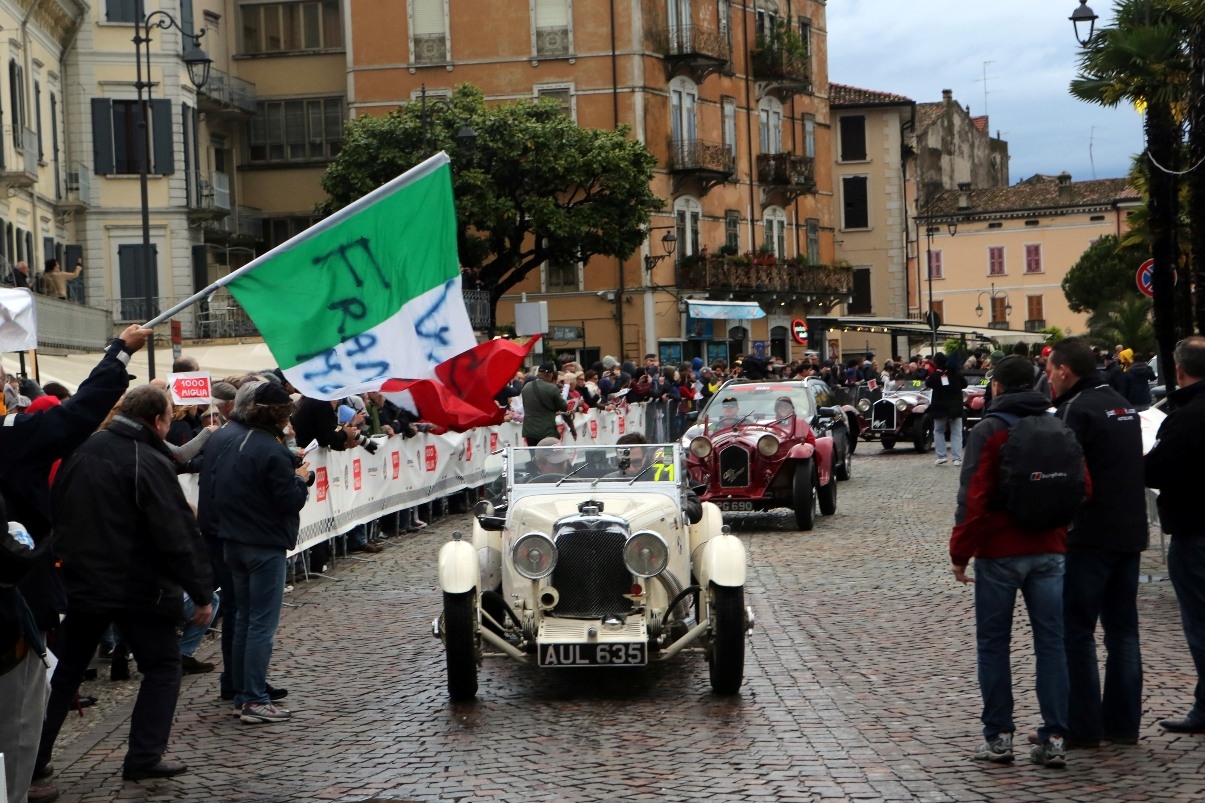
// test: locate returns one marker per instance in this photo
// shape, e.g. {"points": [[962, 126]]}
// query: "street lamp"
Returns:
{"points": [[668, 242], [933, 319], [992, 295], [465, 137], [198, 64], [1083, 16]]}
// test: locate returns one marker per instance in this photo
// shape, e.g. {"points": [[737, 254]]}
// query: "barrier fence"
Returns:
{"points": [[355, 487]]}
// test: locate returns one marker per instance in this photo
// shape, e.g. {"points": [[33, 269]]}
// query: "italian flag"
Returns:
{"points": [[370, 299]]}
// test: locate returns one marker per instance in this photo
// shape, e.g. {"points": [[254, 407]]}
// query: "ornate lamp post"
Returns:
{"points": [[466, 136], [669, 241], [992, 295], [198, 72]]}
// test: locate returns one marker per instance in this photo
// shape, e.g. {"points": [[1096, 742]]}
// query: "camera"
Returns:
{"points": [[624, 462], [368, 443]]}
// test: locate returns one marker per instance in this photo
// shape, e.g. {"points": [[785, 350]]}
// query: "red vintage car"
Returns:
{"points": [[752, 448]]}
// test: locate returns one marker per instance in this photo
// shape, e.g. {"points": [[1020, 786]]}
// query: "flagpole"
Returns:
{"points": [[420, 170]]}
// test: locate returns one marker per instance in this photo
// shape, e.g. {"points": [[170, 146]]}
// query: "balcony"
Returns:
{"points": [[203, 196], [762, 277], [19, 165], [477, 302], [707, 163], [781, 64], [695, 51], [79, 188], [1035, 325], [241, 224], [786, 174], [226, 95]]}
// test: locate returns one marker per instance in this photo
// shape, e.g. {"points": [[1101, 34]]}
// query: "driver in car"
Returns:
{"points": [[784, 409], [548, 460], [730, 412]]}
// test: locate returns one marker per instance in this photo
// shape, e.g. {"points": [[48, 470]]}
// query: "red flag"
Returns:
{"points": [[461, 396]]}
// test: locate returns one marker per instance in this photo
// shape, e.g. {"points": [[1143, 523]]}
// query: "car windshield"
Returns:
{"points": [[756, 403], [636, 462]]}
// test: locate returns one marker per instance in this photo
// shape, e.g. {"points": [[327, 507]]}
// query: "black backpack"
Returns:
{"points": [[1042, 478]]}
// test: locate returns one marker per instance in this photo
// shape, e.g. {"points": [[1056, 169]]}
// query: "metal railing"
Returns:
{"points": [[688, 155], [477, 302], [229, 92], [219, 316], [79, 185], [62, 324], [776, 63], [688, 40], [19, 162], [745, 274], [786, 169]]}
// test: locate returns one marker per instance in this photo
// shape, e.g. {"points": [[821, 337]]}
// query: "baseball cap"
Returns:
{"points": [[548, 368], [729, 400], [1014, 373], [270, 393], [556, 455]]}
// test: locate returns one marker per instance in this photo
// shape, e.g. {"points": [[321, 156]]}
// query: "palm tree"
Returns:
{"points": [[1126, 321], [1143, 59]]}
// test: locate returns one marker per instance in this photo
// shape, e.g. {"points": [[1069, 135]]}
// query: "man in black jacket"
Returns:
{"points": [[29, 604], [129, 544], [1104, 545], [1175, 467]]}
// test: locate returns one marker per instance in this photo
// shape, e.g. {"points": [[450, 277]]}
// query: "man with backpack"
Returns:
{"points": [[1021, 484], [1104, 546]]}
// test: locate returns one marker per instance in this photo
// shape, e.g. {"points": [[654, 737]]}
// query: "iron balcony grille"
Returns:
{"points": [[590, 574], [734, 467], [883, 411]]}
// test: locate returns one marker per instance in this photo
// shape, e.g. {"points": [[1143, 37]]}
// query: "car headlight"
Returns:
{"points": [[646, 554], [863, 405], [767, 445], [700, 447], [901, 405], [534, 556]]}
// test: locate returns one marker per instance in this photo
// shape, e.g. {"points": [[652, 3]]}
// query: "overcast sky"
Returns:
{"points": [[919, 48]]}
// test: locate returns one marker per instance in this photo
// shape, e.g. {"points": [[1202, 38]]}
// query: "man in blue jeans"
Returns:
{"points": [[1104, 545], [257, 493], [1010, 558]]}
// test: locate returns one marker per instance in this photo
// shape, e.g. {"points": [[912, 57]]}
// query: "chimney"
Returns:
{"points": [[947, 95], [1064, 187], [964, 195]]}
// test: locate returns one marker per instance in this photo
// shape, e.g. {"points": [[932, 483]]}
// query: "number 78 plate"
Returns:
{"points": [[594, 654]]}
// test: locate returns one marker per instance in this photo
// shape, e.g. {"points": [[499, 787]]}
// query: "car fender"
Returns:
{"points": [[458, 567], [707, 527], [851, 420], [824, 459], [802, 451], [721, 560], [488, 544]]}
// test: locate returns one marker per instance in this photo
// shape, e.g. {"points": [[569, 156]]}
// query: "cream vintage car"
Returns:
{"points": [[588, 559]]}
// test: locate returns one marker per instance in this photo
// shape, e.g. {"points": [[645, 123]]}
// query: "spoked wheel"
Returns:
{"points": [[461, 644], [802, 499], [922, 435], [726, 659], [827, 496]]}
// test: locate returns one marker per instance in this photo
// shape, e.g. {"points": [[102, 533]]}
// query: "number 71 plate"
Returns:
{"points": [[594, 654]]}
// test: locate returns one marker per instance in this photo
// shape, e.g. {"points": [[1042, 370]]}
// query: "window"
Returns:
{"points": [[936, 270], [995, 260], [854, 202], [767, 17], [809, 136], [1034, 309], [559, 276], [1033, 258], [861, 304], [291, 27], [805, 35], [1000, 310], [563, 95], [813, 241], [687, 214], [115, 141], [16, 86], [684, 97], [775, 223], [724, 11], [121, 10], [551, 28], [428, 31], [769, 112], [853, 138], [732, 228], [37, 115], [729, 109], [297, 130]]}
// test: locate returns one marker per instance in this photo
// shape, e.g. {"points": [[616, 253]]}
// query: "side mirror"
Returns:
{"points": [[830, 412], [492, 523], [483, 508]]}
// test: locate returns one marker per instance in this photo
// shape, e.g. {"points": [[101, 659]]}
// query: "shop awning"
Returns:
{"points": [[716, 310]]}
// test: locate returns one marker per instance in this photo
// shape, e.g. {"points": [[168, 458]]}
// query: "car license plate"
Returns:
{"points": [[608, 654], [734, 506]]}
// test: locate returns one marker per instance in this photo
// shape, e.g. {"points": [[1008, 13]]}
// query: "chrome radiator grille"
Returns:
{"points": [[734, 467], [882, 415], [590, 574]]}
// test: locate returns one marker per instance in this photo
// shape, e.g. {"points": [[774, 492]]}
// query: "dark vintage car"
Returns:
{"points": [[753, 448], [899, 415], [837, 420]]}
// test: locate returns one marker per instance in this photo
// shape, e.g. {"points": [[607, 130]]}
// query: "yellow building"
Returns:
{"points": [[1005, 265]]}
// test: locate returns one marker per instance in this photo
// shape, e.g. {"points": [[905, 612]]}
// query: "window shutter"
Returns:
{"points": [[161, 137], [853, 139], [186, 119], [131, 282], [552, 14], [854, 191], [186, 22], [861, 304], [102, 136], [121, 10], [200, 267], [428, 17]]}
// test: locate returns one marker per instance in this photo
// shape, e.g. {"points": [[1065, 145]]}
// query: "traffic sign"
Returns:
{"points": [[933, 320], [799, 330], [1145, 278], [192, 387]]}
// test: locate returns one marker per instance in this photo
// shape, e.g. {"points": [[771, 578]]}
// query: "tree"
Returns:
{"points": [[1105, 272], [1142, 59], [534, 188], [1127, 321]]}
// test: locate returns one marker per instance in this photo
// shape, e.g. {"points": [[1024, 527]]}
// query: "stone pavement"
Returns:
{"points": [[860, 685]]}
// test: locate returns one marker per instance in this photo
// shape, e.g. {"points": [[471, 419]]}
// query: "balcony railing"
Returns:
{"points": [[696, 41], [477, 302], [79, 185], [1035, 325], [998, 325], [776, 64], [219, 316], [787, 170], [19, 165], [695, 155], [226, 92], [755, 275]]}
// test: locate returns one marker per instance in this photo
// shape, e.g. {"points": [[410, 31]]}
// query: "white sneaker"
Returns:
{"points": [[957, 461], [941, 461]]}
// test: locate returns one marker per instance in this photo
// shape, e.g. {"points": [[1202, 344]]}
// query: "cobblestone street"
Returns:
{"points": [[859, 685]]}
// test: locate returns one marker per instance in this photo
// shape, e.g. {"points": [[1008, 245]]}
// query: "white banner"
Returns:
{"points": [[18, 320], [355, 487]]}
